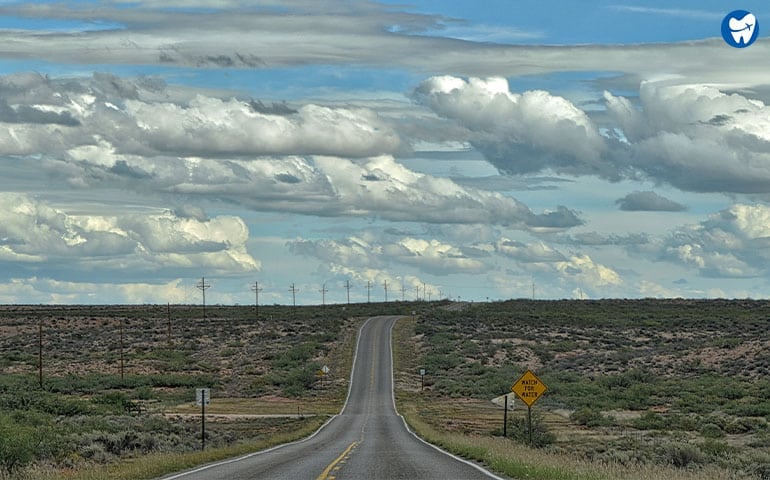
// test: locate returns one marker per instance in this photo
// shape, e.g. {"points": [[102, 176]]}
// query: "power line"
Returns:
{"points": [[203, 286]]}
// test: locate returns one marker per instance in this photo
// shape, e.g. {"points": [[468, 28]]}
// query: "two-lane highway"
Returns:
{"points": [[367, 440]]}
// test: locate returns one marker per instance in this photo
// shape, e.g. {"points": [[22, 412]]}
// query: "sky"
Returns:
{"points": [[402, 150]]}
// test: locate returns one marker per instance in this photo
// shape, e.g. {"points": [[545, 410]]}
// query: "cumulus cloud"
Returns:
{"points": [[733, 243], [429, 256], [50, 291], [648, 202], [144, 136], [138, 117], [528, 253], [576, 268], [518, 133], [694, 137], [33, 231]]}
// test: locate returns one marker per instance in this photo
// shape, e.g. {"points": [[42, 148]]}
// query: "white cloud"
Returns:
{"points": [[528, 253], [137, 117], [130, 136], [358, 33], [518, 133], [733, 243], [428, 256], [211, 126], [586, 272], [694, 137], [32, 231], [49, 291]]}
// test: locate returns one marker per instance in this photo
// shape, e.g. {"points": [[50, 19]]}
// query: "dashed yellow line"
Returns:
{"points": [[325, 474]]}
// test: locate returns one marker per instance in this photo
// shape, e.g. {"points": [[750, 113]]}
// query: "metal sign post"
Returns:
{"points": [[505, 401], [422, 379], [529, 389], [203, 398]]}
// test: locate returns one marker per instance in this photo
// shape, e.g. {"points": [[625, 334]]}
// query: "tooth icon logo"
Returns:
{"points": [[740, 28]]}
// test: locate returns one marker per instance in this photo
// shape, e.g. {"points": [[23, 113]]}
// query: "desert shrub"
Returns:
{"points": [[711, 430], [743, 425], [760, 440], [650, 421], [541, 435], [17, 444], [761, 471], [590, 418], [716, 449], [296, 381], [296, 356], [114, 400], [681, 455]]}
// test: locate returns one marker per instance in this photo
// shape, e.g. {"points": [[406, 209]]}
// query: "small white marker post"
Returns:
{"points": [[422, 379]]}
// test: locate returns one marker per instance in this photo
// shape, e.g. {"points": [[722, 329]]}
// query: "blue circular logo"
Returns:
{"points": [[740, 28]]}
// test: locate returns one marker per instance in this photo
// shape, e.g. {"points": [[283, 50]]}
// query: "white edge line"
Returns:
{"points": [[261, 452], [393, 397]]}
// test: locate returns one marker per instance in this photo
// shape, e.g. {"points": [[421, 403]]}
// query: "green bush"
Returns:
{"points": [[17, 444], [711, 430], [650, 421], [681, 455], [519, 431], [591, 418]]}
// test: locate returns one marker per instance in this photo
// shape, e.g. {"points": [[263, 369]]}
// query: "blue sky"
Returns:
{"points": [[461, 149]]}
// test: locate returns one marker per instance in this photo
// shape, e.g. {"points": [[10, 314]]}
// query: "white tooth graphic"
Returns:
{"points": [[742, 30]]}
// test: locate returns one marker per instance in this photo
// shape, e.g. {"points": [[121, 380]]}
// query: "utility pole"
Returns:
{"points": [[347, 287], [256, 291], [40, 353], [121, 348], [385, 284], [424, 291], [533, 290], [169, 323], [203, 286], [417, 287], [403, 293], [430, 292], [368, 291], [323, 294], [293, 291]]}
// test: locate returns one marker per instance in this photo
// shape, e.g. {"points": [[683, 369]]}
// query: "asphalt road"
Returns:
{"points": [[367, 440]]}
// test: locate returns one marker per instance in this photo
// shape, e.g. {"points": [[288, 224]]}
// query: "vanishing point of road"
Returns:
{"points": [[367, 440]]}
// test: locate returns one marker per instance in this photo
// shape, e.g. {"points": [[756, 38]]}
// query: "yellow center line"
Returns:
{"points": [[325, 474]]}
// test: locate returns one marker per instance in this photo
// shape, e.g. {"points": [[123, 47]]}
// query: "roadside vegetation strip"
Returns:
{"points": [[504, 456], [160, 464], [89, 418]]}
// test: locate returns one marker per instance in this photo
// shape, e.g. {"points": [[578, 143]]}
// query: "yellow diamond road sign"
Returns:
{"points": [[529, 388]]}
